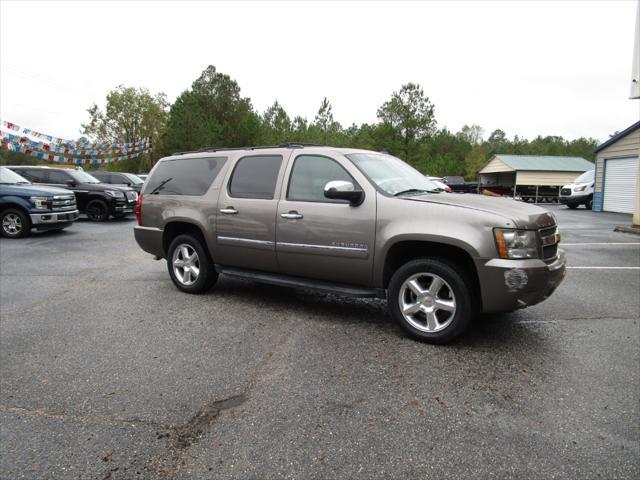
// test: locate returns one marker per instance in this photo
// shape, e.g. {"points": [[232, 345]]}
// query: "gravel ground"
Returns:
{"points": [[108, 372]]}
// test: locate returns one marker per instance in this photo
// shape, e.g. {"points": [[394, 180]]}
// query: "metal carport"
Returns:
{"points": [[530, 177]]}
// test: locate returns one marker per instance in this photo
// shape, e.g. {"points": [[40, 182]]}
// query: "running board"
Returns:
{"points": [[298, 282]]}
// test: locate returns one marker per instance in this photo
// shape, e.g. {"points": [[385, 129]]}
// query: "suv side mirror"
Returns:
{"points": [[341, 190], [71, 183]]}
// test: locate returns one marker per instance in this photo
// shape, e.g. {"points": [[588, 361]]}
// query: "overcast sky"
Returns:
{"points": [[529, 68]]}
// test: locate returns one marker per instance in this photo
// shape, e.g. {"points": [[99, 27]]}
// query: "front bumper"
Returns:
{"points": [[123, 207], [508, 285], [51, 218], [574, 199]]}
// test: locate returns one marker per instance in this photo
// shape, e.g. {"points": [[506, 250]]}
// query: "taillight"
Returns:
{"points": [[139, 209]]}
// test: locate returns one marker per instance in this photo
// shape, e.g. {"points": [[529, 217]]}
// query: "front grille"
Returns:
{"points": [[63, 202], [565, 191], [549, 240]]}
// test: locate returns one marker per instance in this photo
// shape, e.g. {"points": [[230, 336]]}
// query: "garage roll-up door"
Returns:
{"points": [[620, 184]]}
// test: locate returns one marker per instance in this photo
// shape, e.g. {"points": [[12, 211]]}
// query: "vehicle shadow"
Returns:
{"points": [[485, 331]]}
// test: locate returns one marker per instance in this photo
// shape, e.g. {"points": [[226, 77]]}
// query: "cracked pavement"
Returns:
{"points": [[108, 372]]}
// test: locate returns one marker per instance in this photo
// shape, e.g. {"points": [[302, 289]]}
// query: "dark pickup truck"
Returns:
{"points": [[458, 184], [98, 200], [24, 206]]}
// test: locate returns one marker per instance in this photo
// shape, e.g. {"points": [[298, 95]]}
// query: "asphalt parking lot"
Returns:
{"points": [[108, 372]]}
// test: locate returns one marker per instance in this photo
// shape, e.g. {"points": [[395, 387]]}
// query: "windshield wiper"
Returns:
{"points": [[160, 186], [413, 190]]}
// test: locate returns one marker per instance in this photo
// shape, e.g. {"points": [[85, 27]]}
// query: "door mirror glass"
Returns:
{"points": [[341, 190]]}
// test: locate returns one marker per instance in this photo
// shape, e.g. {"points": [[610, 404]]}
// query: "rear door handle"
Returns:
{"points": [[292, 215], [228, 211]]}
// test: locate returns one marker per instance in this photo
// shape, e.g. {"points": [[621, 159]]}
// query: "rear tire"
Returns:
{"points": [[190, 266], [431, 300], [14, 223], [572, 206], [97, 211]]}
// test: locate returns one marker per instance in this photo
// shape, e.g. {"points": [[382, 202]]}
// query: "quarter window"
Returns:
{"points": [[310, 174], [183, 176], [255, 177]]}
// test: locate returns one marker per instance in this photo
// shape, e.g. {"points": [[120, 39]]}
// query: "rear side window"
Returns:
{"points": [[309, 176], [255, 177], [184, 176]]}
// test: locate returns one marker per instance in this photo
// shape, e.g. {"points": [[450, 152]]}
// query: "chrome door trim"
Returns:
{"points": [[246, 242], [331, 250]]}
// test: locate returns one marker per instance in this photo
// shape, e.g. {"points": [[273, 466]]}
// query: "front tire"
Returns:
{"points": [[190, 266], [97, 211], [431, 300], [14, 223], [589, 204]]}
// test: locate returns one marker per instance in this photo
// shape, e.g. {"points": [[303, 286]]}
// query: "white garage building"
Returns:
{"points": [[617, 186]]}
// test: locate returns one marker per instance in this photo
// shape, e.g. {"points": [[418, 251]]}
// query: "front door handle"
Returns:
{"points": [[228, 211], [292, 215]]}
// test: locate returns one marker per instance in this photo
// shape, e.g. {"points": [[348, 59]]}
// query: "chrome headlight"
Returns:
{"points": [[516, 244], [40, 203], [581, 188], [114, 193]]}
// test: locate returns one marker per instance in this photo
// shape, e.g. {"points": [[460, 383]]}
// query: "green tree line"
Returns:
{"points": [[213, 113]]}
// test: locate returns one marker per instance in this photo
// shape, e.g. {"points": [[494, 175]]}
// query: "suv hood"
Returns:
{"points": [[522, 214]]}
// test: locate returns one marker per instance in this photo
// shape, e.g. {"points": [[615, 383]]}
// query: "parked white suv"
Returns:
{"points": [[580, 192]]}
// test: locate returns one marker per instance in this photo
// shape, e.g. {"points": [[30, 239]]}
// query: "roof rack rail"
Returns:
{"points": [[258, 147]]}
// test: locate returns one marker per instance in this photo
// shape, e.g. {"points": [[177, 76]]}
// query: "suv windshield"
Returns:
{"points": [[83, 177], [9, 177], [392, 175], [586, 177]]}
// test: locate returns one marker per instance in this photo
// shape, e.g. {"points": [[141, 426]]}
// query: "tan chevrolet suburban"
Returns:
{"points": [[350, 222]]}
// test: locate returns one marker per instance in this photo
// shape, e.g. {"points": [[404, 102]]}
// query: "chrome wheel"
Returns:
{"points": [[427, 302], [186, 264], [12, 224]]}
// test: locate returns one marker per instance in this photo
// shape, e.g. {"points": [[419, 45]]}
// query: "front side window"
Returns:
{"points": [[392, 175], [184, 176], [54, 176], [309, 176], [255, 177]]}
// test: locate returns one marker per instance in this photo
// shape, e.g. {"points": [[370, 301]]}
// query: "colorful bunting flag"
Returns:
{"points": [[72, 143]]}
